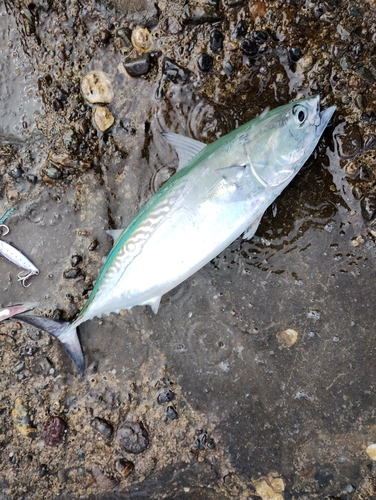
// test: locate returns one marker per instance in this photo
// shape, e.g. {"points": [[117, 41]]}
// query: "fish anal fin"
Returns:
{"points": [[153, 303], [248, 234], [66, 333], [115, 234], [185, 147]]}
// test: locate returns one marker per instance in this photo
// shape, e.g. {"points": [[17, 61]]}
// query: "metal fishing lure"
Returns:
{"points": [[17, 258]]}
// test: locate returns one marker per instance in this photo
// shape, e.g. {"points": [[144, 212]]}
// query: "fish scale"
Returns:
{"points": [[219, 192]]}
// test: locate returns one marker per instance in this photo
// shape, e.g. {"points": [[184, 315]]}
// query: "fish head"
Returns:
{"points": [[284, 138]]}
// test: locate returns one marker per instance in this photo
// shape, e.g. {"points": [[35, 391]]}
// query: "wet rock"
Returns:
{"points": [[249, 47], [216, 41], [70, 139], [295, 53], [240, 30], [200, 13], [368, 117], [52, 172], [142, 40], [103, 427], [339, 49], [139, 12], [200, 440], [365, 172], [360, 101], [21, 419], [205, 62], [103, 481], [287, 337], [138, 66], [72, 273], [96, 87], [93, 245], [171, 413], [17, 172], [357, 192], [102, 38], [75, 260], [124, 467], [211, 444], [368, 206], [32, 178], [260, 37], [366, 75], [165, 396], [103, 118], [53, 431], [349, 141], [41, 366], [133, 437], [125, 34], [173, 71]]}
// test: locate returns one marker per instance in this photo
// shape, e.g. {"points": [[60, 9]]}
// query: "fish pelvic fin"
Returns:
{"points": [[66, 333]]}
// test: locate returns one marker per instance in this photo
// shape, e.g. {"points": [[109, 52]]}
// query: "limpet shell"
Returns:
{"points": [[103, 118], [287, 337], [142, 40], [96, 87], [371, 451]]}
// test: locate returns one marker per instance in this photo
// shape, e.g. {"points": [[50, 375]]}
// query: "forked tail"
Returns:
{"points": [[66, 333]]}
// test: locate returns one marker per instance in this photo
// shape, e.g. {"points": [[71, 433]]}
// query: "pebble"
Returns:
{"points": [[96, 87], [257, 9], [368, 206], [21, 419], [240, 30], [124, 467], [260, 37], [138, 66], [52, 172], [103, 118], [103, 481], [216, 41], [305, 63], [368, 117], [75, 260], [205, 62], [53, 431], [173, 71], [166, 396], [365, 172], [71, 273], [295, 53], [350, 141], [103, 427], [171, 413], [287, 337], [133, 437], [142, 40], [125, 34], [249, 47]]}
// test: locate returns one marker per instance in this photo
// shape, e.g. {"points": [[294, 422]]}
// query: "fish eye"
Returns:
{"points": [[300, 114]]}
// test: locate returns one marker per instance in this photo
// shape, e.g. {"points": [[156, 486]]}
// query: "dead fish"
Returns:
{"points": [[220, 191], [18, 258], [8, 312]]}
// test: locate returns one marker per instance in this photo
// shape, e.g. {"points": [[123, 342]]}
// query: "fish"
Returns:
{"points": [[219, 192], [18, 258], [8, 312]]}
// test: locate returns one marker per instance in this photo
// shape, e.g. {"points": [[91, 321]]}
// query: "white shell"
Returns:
{"points": [[103, 118], [96, 87]]}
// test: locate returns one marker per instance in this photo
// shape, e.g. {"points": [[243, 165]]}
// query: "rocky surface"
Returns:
{"points": [[210, 398]]}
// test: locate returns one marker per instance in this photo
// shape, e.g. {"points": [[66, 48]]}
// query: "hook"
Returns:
{"points": [[23, 278], [6, 229]]}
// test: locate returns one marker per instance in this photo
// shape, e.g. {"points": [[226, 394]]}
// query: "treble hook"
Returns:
{"points": [[6, 229], [22, 278]]}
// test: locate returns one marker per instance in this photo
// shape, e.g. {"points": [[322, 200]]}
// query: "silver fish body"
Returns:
{"points": [[220, 192]]}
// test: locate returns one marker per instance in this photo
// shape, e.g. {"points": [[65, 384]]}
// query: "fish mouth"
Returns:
{"points": [[325, 117]]}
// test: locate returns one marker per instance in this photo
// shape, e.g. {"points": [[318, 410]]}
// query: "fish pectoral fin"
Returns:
{"points": [[115, 234], [229, 187], [252, 229], [65, 332], [153, 303], [185, 147]]}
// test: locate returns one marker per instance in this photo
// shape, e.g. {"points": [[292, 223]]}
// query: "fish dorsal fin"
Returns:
{"points": [[114, 233], [252, 229], [185, 147]]}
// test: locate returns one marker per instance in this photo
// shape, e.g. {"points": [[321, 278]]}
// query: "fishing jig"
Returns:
{"points": [[17, 258]]}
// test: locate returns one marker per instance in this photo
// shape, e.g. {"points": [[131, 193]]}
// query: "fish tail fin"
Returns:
{"points": [[66, 333]]}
